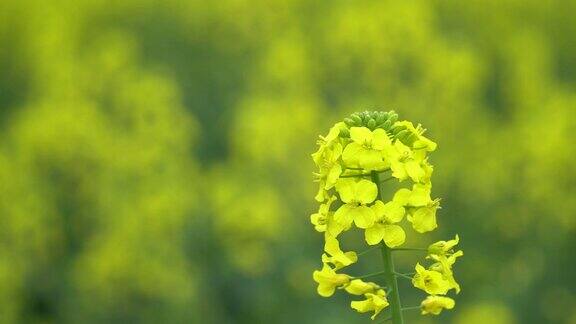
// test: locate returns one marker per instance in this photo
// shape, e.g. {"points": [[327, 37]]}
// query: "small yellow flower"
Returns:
{"points": [[359, 287], [444, 266], [373, 302], [435, 304], [443, 247], [322, 217], [328, 161], [432, 282], [384, 228], [403, 163], [423, 219], [418, 141], [366, 147], [356, 195], [335, 256], [328, 280], [443, 253], [420, 207]]}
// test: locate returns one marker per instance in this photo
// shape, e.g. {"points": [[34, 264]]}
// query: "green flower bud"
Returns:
{"points": [[382, 117], [371, 123], [357, 119], [365, 117], [350, 122], [387, 125]]}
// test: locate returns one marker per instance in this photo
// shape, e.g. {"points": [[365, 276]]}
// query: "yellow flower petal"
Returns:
{"points": [[394, 235]]}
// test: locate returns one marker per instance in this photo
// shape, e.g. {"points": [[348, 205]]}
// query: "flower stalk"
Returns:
{"points": [[390, 273]]}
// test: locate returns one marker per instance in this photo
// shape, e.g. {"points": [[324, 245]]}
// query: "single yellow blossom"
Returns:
{"points": [[435, 304], [366, 148], [356, 195], [328, 280], [421, 209], [444, 266], [322, 217], [415, 137], [335, 256], [384, 229], [373, 302], [403, 163], [432, 282], [359, 287], [443, 247], [329, 163], [423, 219]]}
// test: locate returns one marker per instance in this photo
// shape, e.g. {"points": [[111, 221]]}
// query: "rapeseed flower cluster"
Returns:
{"points": [[350, 160]]}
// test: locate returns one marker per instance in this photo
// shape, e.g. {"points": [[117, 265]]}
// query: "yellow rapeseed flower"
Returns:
{"points": [[374, 302], [328, 280], [384, 229], [365, 151], [359, 287], [432, 282], [356, 195], [335, 256], [435, 304], [322, 217]]}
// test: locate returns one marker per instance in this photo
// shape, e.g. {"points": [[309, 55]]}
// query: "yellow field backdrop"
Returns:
{"points": [[155, 155]]}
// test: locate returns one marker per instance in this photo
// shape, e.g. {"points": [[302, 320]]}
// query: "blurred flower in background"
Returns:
{"points": [[155, 155]]}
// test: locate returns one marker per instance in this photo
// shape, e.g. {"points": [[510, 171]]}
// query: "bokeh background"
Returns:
{"points": [[155, 168]]}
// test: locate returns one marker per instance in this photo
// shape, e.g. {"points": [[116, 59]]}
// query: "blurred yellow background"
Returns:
{"points": [[155, 155]]}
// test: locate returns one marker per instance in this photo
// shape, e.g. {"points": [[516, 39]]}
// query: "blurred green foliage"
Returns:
{"points": [[154, 155]]}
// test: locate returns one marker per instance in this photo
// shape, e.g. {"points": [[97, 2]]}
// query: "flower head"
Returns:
{"points": [[350, 160]]}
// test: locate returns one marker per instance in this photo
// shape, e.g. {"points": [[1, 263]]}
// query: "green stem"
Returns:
{"points": [[367, 250], [403, 275], [389, 273], [360, 175], [411, 308], [387, 179], [392, 282], [370, 275], [409, 249]]}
